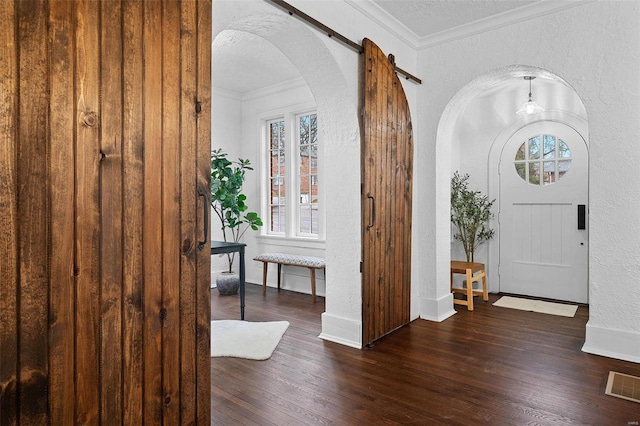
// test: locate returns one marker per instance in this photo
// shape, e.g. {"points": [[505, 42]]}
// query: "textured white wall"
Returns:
{"points": [[226, 133], [287, 100], [331, 71], [595, 48]]}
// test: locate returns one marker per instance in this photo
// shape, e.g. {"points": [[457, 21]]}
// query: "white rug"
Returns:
{"points": [[243, 339], [537, 306]]}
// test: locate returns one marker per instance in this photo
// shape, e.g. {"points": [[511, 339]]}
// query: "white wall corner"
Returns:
{"points": [[341, 330], [612, 343], [437, 309]]}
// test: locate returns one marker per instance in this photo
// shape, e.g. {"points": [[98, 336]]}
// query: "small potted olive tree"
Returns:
{"points": [[470, 213], [228, 202]]}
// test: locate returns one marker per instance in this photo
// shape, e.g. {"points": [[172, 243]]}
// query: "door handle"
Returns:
{"points": [[373, 211], [582, 213], [205, 205]]}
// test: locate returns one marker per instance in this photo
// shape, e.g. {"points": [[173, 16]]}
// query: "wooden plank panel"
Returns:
{"points": [[188, 214], [395, 240], [106, 135], [203, 150], [368, 179], [397, 207], [395, 273], [375, 112], [171, 243], [390, 142], [87, 212], [407, 194], [8, 214], [152, 225], [387, 158], [401, 239], [378, 193], [376, 141], [33, 211], [111, 406], [385, 176], [62, 285], [133, 153]]}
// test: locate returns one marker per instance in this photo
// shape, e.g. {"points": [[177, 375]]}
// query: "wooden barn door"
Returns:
{"points": [[104, 148], [387, 167]]}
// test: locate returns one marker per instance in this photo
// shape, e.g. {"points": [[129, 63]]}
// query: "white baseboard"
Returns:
{"points": [[437, 310], [341, 330], [612, 343]]}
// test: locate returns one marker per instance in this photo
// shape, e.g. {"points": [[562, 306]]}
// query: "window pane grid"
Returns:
{"points": [[308, 174], [277, 173], [542, 160], [293, 160]]}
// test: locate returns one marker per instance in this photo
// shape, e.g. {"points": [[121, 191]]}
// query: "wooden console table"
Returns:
{"points": [[220, 247], [474, 271]]}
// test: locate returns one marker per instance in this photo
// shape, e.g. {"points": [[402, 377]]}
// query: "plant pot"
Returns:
{"points": [[228, 283]]}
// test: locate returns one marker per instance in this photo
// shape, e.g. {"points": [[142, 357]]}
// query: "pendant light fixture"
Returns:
{"points": [[530, 107]]}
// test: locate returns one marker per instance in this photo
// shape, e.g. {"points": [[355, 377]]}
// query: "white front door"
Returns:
{"points": [[543, 203]]}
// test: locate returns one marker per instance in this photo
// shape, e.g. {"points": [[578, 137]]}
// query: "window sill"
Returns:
{"points": [[277, 240]]}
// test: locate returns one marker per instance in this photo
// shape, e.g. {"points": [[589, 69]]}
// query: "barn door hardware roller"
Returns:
{"points": [[333, 34]]}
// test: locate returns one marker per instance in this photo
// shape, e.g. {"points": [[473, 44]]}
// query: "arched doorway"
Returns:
{"points": [[543, 200], [335, 97], [487, 106]]}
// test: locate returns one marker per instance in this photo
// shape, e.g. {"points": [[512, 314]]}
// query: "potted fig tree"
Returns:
{"points": [[470, 213], [229, 204]]}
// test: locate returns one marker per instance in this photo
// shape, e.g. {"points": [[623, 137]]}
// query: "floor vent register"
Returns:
{"points": [[623, 386]]}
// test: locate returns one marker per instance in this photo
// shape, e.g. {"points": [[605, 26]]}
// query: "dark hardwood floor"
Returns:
{"points": [[493, 366]]}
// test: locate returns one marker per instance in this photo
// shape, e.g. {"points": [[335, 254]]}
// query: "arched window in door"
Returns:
{"points": [[542, 159]]}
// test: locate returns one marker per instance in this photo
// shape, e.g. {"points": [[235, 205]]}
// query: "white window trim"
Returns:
{"points": [[265, 156], [297, 177], [290, 237]]}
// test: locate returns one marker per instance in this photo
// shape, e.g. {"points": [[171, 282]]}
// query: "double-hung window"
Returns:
{"points": [[293, 170], [277, 177]]}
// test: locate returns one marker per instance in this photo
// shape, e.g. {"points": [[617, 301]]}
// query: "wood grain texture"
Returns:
{"points": [[203, 177], [152, 225], [133, 181], [87, 206], [104, 307], [171, 238], [387, 158], [492, 366], [8, 214], [33, 211], [188, 214], [62, 286], [111, 224]]}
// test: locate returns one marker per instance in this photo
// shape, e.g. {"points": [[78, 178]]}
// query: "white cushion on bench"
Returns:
{"points": [[292, 259]]}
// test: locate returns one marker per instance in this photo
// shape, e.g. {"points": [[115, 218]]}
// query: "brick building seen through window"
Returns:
{"points": [[294, 159]]}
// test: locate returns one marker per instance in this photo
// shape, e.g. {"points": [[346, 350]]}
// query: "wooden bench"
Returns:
{"points": [[280, 259]]}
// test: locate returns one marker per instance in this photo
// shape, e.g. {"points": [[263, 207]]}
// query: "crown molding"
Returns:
{"points": [[276, 88], [514, 16], [385, 20], [229, 94], [510, 17], [258, 93]]}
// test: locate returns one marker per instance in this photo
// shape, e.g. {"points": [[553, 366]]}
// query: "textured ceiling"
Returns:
{"points": [[243, 63], [426, 17]]}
